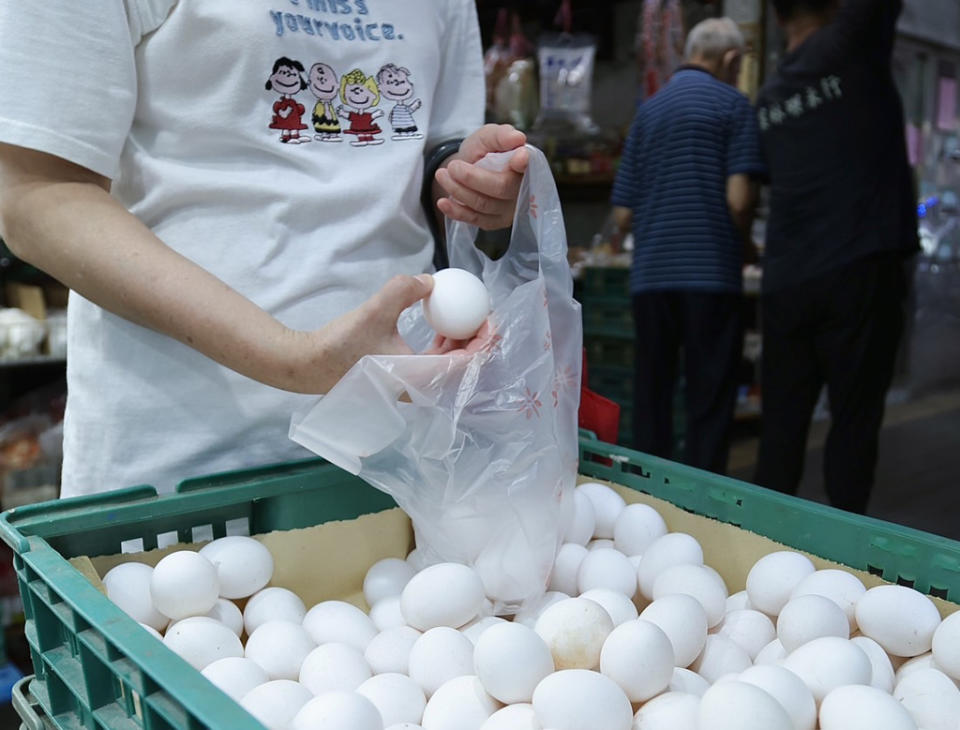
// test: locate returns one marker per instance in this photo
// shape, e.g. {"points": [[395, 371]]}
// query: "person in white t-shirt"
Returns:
{"points": [[222, 276]]}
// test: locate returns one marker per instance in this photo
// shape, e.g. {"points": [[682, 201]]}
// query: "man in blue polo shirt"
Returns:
{"points": [[686, 185]]}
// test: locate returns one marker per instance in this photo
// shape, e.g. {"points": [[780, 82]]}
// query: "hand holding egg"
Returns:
{"points": [[457, 306]]}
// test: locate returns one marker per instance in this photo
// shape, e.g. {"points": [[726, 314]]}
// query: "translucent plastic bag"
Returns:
{"points": [[482, 453]]}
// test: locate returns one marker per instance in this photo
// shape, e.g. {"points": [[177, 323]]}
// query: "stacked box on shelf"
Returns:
{"points": [[98, 670]]}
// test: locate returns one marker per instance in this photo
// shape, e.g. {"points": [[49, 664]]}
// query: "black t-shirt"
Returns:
{"points": [[832, 130]]}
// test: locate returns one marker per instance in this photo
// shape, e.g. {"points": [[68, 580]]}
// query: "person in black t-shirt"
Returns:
{"points": [[842, 221]]}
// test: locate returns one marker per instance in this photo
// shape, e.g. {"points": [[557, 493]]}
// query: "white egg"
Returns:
{"points": [[669, 711], [529, 614], [128, 586], [153, 632], [636, 528], [227, 613], [881, 669], [856, 707], [280, 648], [386, 613], [619, 606], [235, 675], [405, 726], [183, 584], [684, 621], [244, 565], [698, 581], [809, 617], [446, 594], [740, 706], [674, 548], [475, 628], [272, 604], [924, 661], [931, 698], [386, 579], [606, 568], [460, 704], [582, 520], [574, 630], [276, 703], [787, 689], [898, 618], [720, 656], [687, 682], [333, 666], [579, 699], [513, 717], [458, 304], [510, 661], [839, 586], [772, 653], [607, 506], [202, 641], [338, 710], [438, 656], [389, 651], [738, 601], [748, 629], [773, 577], [946, 646], [339, 621], [566, 568], [638, 656], [827, 663], [417, 559], [396, 696]]}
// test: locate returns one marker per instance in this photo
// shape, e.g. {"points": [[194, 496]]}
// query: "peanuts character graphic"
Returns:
{"points": [[360, 94], [287, 80], [395, 85], [323, 85]]}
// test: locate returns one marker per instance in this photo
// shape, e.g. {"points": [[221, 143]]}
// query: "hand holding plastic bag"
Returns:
{"points": [[483, 449]]}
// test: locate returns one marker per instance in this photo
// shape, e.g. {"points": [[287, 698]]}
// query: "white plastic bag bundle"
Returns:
{"points": [[482, 453]]}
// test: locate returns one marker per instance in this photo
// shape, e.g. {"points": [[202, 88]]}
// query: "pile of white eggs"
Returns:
{"points": [[636, 632]]}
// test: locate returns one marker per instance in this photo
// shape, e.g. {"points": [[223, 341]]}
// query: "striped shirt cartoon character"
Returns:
{"points": [[287, 81], [360, 94], [324, 85], [395, 85]]}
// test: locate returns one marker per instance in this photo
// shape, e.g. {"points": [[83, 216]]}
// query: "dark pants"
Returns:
{"points": [[707, 326], [841, 329]]}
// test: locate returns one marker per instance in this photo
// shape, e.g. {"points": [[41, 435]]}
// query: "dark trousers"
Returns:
{"points": [[708, 328], [841, 329]]}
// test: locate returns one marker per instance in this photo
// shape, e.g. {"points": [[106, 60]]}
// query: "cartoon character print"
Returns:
{"points": [[287, 80], [395, 85], [323, 85], [360, 93]]}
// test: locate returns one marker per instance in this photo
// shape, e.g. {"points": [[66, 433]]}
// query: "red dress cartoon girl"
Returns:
{"points": [[287, 80], [360, 94]]}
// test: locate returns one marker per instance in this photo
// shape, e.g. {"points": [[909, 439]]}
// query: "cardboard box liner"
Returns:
{"points": [[329, 561]]}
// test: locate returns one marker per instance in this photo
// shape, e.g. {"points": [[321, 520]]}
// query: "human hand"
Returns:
{"points": [[447, 346], [480, 197]]}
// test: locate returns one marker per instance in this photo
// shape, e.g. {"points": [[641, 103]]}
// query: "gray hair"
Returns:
{"points": [[712, 38]]}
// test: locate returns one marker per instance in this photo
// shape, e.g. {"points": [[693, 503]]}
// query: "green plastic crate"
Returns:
{"points": [[95, 666], [608, 351], [605, 281], [607, 315]]}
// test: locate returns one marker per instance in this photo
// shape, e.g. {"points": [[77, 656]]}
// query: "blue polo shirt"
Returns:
{"points": [[685, 142]]}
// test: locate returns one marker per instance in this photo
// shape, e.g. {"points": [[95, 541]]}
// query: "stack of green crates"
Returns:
{"points": [[609, 339], [97, 669]]}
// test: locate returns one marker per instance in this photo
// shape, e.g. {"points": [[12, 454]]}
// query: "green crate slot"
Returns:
{"points": [[96, 669], [606, 314], [613, 383], [605, 281], [604, 351]]}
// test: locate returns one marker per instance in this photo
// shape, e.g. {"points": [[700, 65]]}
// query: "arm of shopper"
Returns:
{"points": [[622, 217], [61, 218], [484, 198], [742, 202]]}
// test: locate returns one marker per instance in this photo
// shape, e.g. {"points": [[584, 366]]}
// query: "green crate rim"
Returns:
{"points": [[907, 556]]}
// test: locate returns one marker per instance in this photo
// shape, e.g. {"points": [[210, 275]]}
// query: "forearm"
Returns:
{"points": [[622, 218], [74, 230]]}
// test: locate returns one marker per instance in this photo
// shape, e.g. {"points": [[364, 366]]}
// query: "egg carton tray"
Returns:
{"points": [[96, 669]]}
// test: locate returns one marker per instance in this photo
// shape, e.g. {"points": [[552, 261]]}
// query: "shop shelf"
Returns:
{"points": [[96, 669]]}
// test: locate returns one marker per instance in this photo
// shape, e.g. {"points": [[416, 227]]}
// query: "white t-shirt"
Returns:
{"points": [[285, 180]]}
